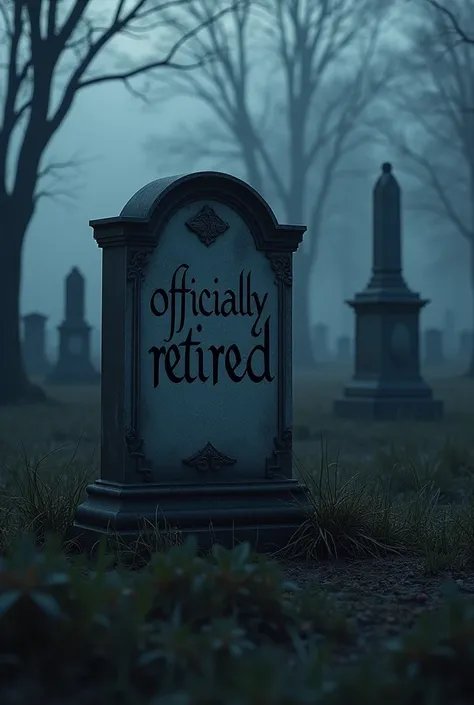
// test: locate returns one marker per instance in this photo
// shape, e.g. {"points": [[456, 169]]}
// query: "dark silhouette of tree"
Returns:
{"points": [[434, 128], [288, 89], [454, 22], [48, 54]]}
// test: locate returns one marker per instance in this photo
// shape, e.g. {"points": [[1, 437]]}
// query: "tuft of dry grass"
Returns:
{"points": [[388, 489]]}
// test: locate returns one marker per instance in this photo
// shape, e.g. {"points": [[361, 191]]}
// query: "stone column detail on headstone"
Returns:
{"points": [[196, 366], [34, 345], [387, 383], [74, 364]]}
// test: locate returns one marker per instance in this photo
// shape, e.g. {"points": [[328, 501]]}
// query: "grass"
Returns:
{"points": [[376, 488], [392, 511]]}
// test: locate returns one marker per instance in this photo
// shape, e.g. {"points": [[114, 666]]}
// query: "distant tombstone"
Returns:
{"points": [[343, 350], [196, 366], [321, 342], [466, 344], [449, 334], [387, 383], [434, 352], [34, 345], [74, 364]]}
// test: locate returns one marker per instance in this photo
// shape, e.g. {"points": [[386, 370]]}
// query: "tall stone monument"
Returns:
{"points": [[34, 345], [196, 366], [74, 364], [387, 383]]}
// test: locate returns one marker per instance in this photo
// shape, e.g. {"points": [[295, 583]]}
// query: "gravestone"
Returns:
{"points": [[34, 345], [466, 343], [387, 383], [433, 348], [196, 366], [74, 364], [321, 342], [449, 334], [343, 350]]}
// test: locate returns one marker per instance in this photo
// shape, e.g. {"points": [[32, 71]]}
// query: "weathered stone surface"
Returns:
{"points": [[387, 383], [196, 366]]}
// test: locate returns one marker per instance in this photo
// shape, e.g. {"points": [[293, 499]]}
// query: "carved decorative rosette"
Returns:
{"points": [[209, 460], [281, 265], [207, 225], [137, 264]]}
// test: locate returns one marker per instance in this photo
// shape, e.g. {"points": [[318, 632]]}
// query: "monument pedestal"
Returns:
{"points": [[387, 384], [376, 402], [74, 364], [266, 514]]}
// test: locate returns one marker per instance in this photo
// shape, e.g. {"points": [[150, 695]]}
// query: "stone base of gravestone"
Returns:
{"points": [[387, 384], [387, 405], [266, 515]]}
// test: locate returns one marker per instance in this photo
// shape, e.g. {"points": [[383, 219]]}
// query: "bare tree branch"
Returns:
{"points": [[434, 104], [453, 21], [306, 41], [49, 51], [35, 51]]}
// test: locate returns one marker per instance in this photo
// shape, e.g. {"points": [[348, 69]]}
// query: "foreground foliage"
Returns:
{"points": [[188, 629]]}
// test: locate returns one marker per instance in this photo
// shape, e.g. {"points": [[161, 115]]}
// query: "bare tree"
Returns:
{"points": [[48, 48], [454, 23], [281, 79], [434, 127]]}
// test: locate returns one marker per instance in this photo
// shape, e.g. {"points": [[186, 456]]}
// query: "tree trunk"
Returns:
{"points": [[470, 370], [14, 385], [303, 358]]}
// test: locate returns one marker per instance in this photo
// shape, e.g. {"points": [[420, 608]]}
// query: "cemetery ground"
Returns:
{"points": [[392, 532]]}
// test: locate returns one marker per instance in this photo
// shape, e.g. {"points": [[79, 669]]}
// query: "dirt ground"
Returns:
{"points": [[381, 598]]}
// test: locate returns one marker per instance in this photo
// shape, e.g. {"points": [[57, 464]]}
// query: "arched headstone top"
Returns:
{"points": [[142, 204], [144, 215]]}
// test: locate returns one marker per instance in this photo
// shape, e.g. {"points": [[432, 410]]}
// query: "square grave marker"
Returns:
{"points": [[196, 366]]}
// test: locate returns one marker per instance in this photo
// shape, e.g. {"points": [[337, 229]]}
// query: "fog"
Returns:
{"points": [[108, 128]]}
